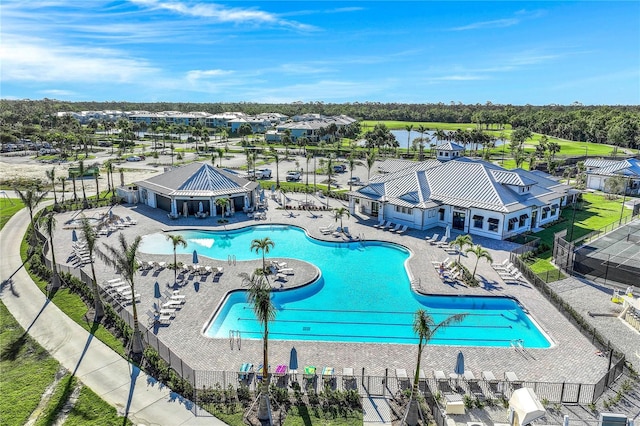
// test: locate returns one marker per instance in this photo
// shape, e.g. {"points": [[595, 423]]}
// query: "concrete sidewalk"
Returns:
{"points": [[118, 382]]}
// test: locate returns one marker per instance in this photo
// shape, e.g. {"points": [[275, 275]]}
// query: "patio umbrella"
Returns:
{"points": [[459, 368], [293, 360], [262, 196], [185, 209], [200, 207], [74, 236], [447, 232], [195, 257], [156, 290]]}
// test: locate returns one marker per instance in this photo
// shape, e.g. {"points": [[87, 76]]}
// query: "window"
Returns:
{"points": [[554, 209], [545, 212], [523, 220], [512, 223], [477, 221], [441, 214], [493, 224], [403, 210]]}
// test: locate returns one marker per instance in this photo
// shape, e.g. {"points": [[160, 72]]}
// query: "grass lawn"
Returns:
{"points": [[27, 370], [9, 207], [400, 125], [90, 410], [302, 416]]}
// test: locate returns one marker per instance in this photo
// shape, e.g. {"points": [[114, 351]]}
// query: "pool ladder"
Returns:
{"points": [[235, 338], [231, 259], [416, 284]]}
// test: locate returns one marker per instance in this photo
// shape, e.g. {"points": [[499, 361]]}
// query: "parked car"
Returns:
{"points": [[355, 180], [263, 173], [340, 168], [293, 176], [134, 158]]}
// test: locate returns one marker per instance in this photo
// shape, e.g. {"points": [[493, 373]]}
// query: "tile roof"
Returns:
{"points": [[198, 179]]}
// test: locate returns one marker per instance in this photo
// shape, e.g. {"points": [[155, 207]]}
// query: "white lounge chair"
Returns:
{"points": [[396, 228], [387, 226], [286, 271], [380, 225], [402, 230], [501, 264], [441, 243], [327, 229], [432, 239]]}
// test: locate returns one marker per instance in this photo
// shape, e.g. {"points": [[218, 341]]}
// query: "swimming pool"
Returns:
{"points": [[364, 294]]}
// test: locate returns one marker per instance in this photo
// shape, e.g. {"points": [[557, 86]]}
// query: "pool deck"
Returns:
{"points": [[571, 359]]}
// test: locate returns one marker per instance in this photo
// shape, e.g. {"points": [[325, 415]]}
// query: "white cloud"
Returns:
{"points": [[31, 59], [58, 93], [497, 23], [458, 77], [224, 14]]}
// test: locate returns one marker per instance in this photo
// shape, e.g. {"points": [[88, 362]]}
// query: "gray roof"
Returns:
{"points": [[198, 180], [449, 146], [390, 166], [630, 167], [463, 183], [599, 162]]}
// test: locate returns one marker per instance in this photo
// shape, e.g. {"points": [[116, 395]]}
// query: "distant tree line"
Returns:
{"points": [[615, 124]]}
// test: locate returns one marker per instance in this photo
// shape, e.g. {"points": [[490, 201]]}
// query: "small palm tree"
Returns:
{"points": [[425, 327], [51, 175], [63, 183], [123, 259], [263, 245], [90, 237], [462, 241], [479, 251], [222, 203], [408, 128], [30, 197], [338, 213], [50, 226], [176, 240], [259, 296], [81, 171]]}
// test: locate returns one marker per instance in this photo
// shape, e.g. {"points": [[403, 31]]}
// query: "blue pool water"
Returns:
{"points": [[363, 295]]}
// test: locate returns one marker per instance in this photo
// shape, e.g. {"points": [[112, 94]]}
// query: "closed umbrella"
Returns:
{"points": [[293, 361], [447, 232], [74, 236], [200, 207], [195, 257], [156, 290], [459, 368], [185, 209]]}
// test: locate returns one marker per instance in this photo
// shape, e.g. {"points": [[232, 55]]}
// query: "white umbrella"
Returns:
{"points": [[200, 207], [447, 232]]}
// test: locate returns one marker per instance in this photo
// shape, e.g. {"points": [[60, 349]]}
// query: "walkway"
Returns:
{"points": [[115, 380]]}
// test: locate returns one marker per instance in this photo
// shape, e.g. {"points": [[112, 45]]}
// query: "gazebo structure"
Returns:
{"points": [[198, 189]]}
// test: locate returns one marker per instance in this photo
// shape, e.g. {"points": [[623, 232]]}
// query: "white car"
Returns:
{"points": [[355, 180], [263, 173], [293, 176], [134, 158]]}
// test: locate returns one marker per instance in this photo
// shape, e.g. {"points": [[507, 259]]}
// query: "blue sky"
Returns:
{"points": [[364, 51]]}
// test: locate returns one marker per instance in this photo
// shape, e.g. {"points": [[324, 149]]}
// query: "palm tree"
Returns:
{"points": [[371, 159], [222, 203], [220, 152], [462, 241], [338, 213], [63, 182], [259, 296], [277, 159], [51, 175], [408, 128], [123, 259], [81, 170], [421, 130], [425, 327], [90, 237], [352, 166], [30, 197], [263, 245], [479, 251], [176, 240], [50, 225]]}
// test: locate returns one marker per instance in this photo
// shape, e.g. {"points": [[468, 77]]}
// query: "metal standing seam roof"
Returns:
{"points": [[630, 167], [449, 146], [462, 183], [198, 179]]}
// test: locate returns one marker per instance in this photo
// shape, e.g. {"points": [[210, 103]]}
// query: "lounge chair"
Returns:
{"points": [[509, 266], [403, 378], [436, 263], [492, 383], [387, 226], [328, 374], [402, 230], [281, 370], [245, 371], [130, 221], [348, 379], [512, 379], [327, 229], [286, 271], [431, 240], [397, 227], [442, 243], [381, 225], [260, 372], [309, 372], [501, 264]]}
